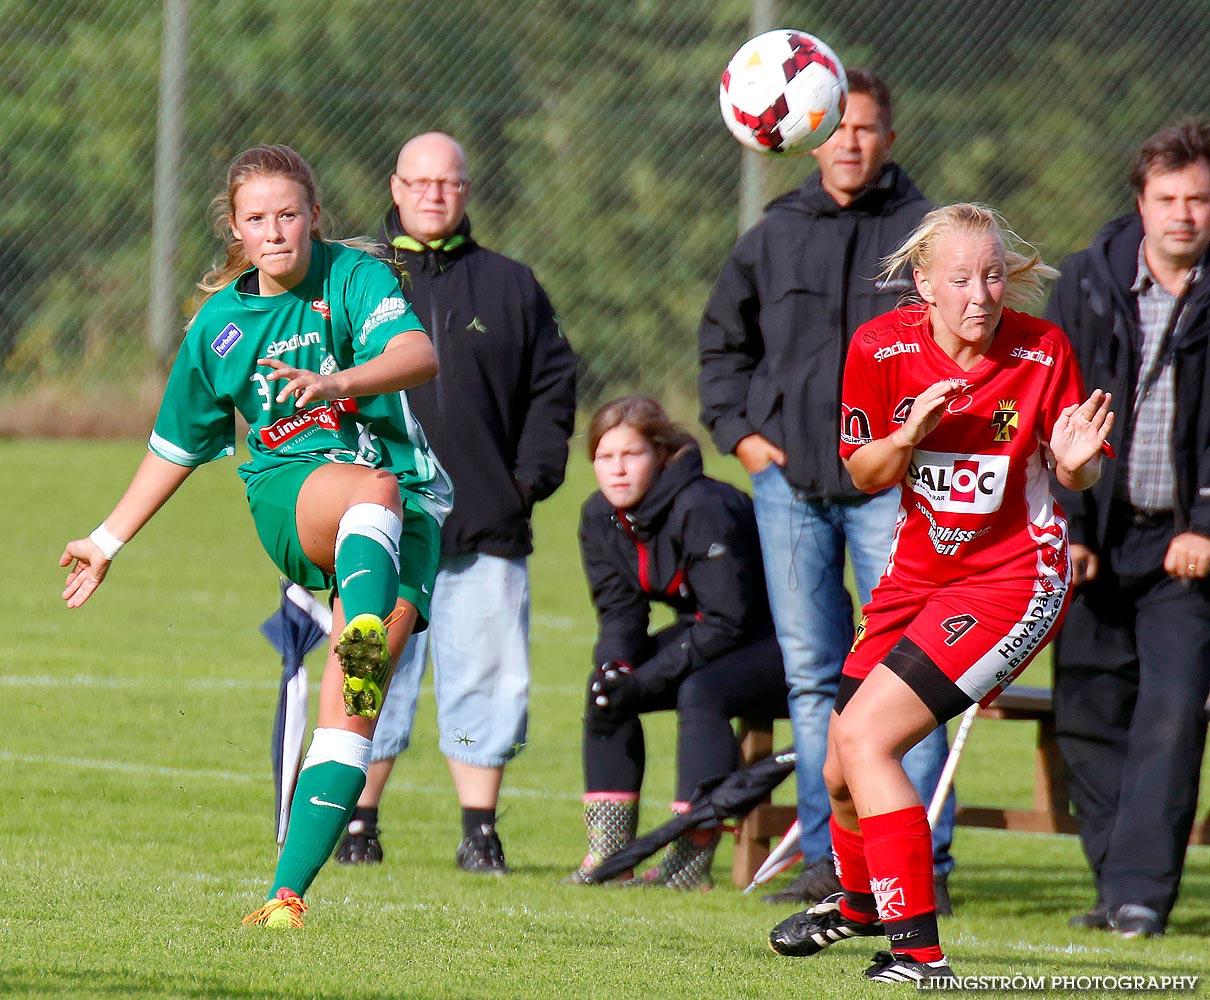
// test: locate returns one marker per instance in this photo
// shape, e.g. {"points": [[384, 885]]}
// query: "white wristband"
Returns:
{"points": [[106, 541]]}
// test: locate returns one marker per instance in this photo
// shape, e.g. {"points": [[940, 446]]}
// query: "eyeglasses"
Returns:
{"points": [[447, 185]]}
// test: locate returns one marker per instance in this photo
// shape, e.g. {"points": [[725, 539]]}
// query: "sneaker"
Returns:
{"points": [[941, 896], [362, 652], [1132, 920], [283, 910], [815, 883], [894, 967], [360, 845], [1096, 919], [482, 853], [814, 929]]}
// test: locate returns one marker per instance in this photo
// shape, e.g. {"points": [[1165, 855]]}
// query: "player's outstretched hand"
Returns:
{"points": [[89, 569], [304, 385], [1079, 437]]}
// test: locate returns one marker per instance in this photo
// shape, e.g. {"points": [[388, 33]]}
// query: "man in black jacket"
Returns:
{"points": [[772, 346], [1132, 662], [498, 417]]}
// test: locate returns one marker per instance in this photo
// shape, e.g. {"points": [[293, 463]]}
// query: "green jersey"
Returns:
{"points": [[342, 314]]}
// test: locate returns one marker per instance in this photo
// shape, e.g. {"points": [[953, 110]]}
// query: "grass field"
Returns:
{"points": [[136, 823]]}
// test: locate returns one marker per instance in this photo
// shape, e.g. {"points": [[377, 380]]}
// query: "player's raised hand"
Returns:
{"points": [[1080, 433], [927, 411], [88, 568], [304, 385]]}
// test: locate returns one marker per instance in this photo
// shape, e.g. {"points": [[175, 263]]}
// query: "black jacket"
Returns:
{"points": [[773, 339], [1093, 304], [500, 411], [691, 544]]}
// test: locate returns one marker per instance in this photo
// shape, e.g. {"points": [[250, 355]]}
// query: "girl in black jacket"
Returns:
{"points": [[659, 530]]}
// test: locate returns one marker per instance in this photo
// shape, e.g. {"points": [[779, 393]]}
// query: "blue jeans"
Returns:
{"points": [[478, 636], [803, 544]]}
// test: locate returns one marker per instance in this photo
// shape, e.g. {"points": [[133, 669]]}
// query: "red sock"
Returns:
{"points": [[848, 851], [899, 852]]}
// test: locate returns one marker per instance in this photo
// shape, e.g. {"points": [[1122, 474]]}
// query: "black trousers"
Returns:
{"points": [[1132, 672], [748, 680]]}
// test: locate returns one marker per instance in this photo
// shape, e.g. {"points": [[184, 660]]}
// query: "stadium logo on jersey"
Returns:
{"points": [[386, 310], [962, 484], [899, 347], [888, 897], [279, 347], [854, 426], [1041, 357], [1004, 420], [321, 307], [226, 340]]}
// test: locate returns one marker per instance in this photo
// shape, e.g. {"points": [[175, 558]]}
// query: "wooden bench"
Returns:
{"points": [[754, 834], [1051, 812]]}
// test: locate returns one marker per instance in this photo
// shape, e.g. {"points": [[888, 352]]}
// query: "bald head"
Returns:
{"points": [[434, 210], [430, 145]]}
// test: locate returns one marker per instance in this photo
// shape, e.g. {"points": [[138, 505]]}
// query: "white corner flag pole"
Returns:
{"points": [[946, 781]]}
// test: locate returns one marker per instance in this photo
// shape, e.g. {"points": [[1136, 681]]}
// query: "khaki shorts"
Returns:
{"points": [[273, 500]]}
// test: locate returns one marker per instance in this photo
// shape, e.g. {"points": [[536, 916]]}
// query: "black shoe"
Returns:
{"points": [[360, 845], [889, 967], [941, 895], [482, 853], [815, 883], [1096, 919], [1134, 921], [814, 929]]}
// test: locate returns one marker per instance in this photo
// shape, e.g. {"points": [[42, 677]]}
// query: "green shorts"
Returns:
{"points": [[273, 500]]}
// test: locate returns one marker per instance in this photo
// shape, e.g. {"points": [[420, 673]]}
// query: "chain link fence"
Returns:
{"points": [[593, 136]]}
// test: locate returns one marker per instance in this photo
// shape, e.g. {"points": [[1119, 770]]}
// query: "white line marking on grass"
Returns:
{"points": [[145, 770], [203, 683]]}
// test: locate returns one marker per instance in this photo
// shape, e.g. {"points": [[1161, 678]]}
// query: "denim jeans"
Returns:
{"points": [[478, 636], [803, 544]]}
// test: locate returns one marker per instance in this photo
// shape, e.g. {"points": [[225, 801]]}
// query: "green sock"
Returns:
{"points": [[323, 802], [367, 560]]}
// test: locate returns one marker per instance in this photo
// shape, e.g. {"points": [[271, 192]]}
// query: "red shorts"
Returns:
{"points": [[979, 636]]}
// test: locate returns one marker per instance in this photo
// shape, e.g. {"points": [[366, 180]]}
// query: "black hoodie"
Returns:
{"points": [[1093, 304], [773, 339], [500, 411], [690, 543]]}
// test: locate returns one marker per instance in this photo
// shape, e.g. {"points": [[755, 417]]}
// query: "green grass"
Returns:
{"points": [[136, 822]]}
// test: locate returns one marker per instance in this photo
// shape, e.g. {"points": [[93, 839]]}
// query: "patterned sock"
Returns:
{"points": [[611, 820], [848, 851], [367, 560], [332, 777], [899, 853]]}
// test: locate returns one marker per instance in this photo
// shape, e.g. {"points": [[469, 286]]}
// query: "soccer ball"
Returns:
{"points": [[783, 93]]}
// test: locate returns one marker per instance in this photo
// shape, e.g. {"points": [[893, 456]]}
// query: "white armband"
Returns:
{"points": [[106, 541]]}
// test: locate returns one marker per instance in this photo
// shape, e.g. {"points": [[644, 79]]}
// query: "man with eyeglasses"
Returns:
{"points": [[498, 417]]}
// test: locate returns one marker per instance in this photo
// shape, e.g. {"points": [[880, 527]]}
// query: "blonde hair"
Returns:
{"points": [[259, 161], [1025, 273]]}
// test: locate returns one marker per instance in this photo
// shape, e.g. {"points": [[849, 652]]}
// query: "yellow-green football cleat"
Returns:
{"points": [[283, 910], [362, 652]]}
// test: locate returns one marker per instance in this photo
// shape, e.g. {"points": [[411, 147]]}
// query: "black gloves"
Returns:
{"points": [[613, 696]]}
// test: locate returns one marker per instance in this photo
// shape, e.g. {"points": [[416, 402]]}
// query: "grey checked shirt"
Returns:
{"points": [[1152, 476]]}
